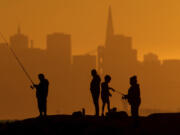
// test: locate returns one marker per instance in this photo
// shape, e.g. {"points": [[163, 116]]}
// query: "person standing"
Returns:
{"points": [[95, 90], [41, 94], [133, 97], [105, 93]]}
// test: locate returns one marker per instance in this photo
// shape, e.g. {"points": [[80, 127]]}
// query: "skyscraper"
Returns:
{"points": [[110, 29], [59, 66], [117, 57]]}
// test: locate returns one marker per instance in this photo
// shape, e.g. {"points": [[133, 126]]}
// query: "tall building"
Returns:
{"points": [[59, 67], [117, 57], [59, 53], [59, 46], [110, 29]]}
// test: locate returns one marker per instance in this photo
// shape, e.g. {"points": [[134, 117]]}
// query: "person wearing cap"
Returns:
{"points": [[133, 97], [105, 93], [41, 94]]}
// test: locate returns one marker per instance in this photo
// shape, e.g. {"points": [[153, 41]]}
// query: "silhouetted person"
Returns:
{"points": [[95, 90], [105, 93], [133, 97], [41, 94]]}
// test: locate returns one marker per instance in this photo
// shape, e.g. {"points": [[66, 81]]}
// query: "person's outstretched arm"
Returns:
{"points": [[34, 86], [110, 88]]}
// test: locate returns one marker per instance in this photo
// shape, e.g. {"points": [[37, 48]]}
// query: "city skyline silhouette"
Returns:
{"points": [[154, 25], [69, 74]]}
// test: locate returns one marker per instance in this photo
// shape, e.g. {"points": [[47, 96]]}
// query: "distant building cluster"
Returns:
{"points": [[69, 75]]}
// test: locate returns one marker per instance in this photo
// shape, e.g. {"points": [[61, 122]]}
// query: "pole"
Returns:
{"points": [[17, 59], [120, 92]]}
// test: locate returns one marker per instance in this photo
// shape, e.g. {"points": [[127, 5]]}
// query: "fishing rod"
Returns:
{"points": [[123, 101], [17, 59], [120, 92]]}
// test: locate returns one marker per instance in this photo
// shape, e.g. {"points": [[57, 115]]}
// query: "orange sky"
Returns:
{"points": [[153, 24]]}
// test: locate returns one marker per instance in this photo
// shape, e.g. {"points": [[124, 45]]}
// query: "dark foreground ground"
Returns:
{"points": [[160, 124]]}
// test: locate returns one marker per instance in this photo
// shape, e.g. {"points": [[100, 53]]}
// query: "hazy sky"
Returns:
{"points": [[153, 24]]}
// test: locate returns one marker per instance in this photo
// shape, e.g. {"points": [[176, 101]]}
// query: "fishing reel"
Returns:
{"points": [[124, 97]]}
